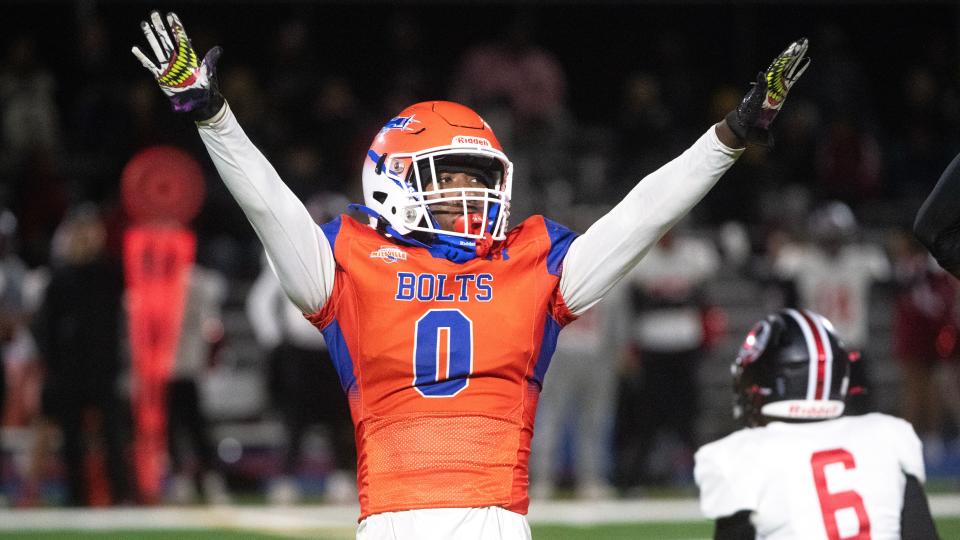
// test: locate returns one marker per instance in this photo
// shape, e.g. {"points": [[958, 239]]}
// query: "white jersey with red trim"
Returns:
{"points": [[837, 287], [827, 479]]}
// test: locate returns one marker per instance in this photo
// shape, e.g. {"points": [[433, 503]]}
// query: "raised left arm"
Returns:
{"points": [[617, 241], [613, 245]]}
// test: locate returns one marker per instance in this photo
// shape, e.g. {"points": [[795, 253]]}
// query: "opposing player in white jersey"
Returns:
{"points": [[800, 469]]}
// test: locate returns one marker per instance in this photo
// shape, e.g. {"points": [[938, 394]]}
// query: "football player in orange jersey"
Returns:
{"points": [[440, 318]]}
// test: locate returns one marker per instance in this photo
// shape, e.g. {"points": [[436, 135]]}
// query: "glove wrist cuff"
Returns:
{"points": [[217, 117], [751, 135], [206, 112]]}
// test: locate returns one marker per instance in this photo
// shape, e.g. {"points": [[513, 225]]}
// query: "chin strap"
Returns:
{"points": [[455, 249]]}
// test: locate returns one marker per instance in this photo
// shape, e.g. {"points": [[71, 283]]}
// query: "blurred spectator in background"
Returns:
{"points": [[841, 83], [302, 162], [659, 393], [924, 136], [40, 199], [28, 113], [14, 336], [292, 79], [201, 329], [303, 381], [93, 161], [30, 146], [579, 395], [833, 274], [512, 71], [339, 125], [925, 341], [644, 137], [77, 331], [248, 98], [520, 87], [410, 76], [849, 161]]}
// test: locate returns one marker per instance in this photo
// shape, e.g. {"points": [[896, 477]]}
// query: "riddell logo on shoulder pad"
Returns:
{"points": [[390, 254], [477, 141]]}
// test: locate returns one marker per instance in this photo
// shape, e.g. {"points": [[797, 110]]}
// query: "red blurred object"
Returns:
{"points": [[714, 320], [947, 341], [162, 184], [162, 191], [157, 263]]}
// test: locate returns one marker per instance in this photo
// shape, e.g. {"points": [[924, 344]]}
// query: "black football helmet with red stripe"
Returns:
{"points": [[791, 367]]}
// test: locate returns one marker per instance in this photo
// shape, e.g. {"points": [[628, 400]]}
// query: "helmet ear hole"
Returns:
{"points": [[380, 197]]}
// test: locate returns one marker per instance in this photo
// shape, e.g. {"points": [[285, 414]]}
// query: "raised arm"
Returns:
{"points": [[613, 245], [296, 248], [937, 224]]}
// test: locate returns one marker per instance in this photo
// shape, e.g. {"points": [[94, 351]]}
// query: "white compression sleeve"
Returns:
{"points": [[613, 245], [296, 248]]}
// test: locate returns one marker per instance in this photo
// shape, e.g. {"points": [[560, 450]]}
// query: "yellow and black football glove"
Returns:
{"points": [[752, 118], [191, 86]]}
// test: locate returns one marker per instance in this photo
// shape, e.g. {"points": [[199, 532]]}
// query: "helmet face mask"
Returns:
{"points": [[487, 170], [791, 367], [426, 198], [402, 191]]}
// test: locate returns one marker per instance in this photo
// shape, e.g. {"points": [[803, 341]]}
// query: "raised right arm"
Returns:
{"points": [[297, 250]]}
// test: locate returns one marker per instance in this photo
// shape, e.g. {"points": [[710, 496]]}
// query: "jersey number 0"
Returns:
{"points": [[442, 353]]}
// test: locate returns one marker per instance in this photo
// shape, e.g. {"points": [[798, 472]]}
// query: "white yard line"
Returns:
{"points": [[305, 518]]}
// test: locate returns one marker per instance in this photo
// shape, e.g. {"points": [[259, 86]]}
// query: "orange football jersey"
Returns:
{"points": [[443, 363]]}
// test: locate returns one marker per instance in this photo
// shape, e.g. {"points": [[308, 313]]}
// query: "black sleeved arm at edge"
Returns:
{"points": [[735, 527], [937, 224], [916, 522]]}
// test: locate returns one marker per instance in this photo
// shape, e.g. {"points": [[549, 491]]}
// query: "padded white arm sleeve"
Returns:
{"points": [[296, 248], [613, 245]]}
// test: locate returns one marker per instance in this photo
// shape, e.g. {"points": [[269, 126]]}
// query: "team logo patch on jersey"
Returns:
{"points": [[390, 254], [472, 141]]}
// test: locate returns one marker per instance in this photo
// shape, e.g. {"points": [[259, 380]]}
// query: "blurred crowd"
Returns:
{"points": [[820, 221]]}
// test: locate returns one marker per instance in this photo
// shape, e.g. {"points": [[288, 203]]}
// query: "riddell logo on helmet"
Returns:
{"points": [[813, 411], [390, 254], [476, 141], [802, 408]]}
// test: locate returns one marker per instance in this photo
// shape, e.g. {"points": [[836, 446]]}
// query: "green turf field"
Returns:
{"points": [[948, 528]]}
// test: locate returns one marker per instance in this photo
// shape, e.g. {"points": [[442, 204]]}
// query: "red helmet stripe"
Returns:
{"points": [[808, 337], [821, 358]]}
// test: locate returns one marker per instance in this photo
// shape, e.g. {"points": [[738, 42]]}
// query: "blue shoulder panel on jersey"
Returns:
{"points": [[342, 360], [331, 229], [551, 330], [560, 239]]}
